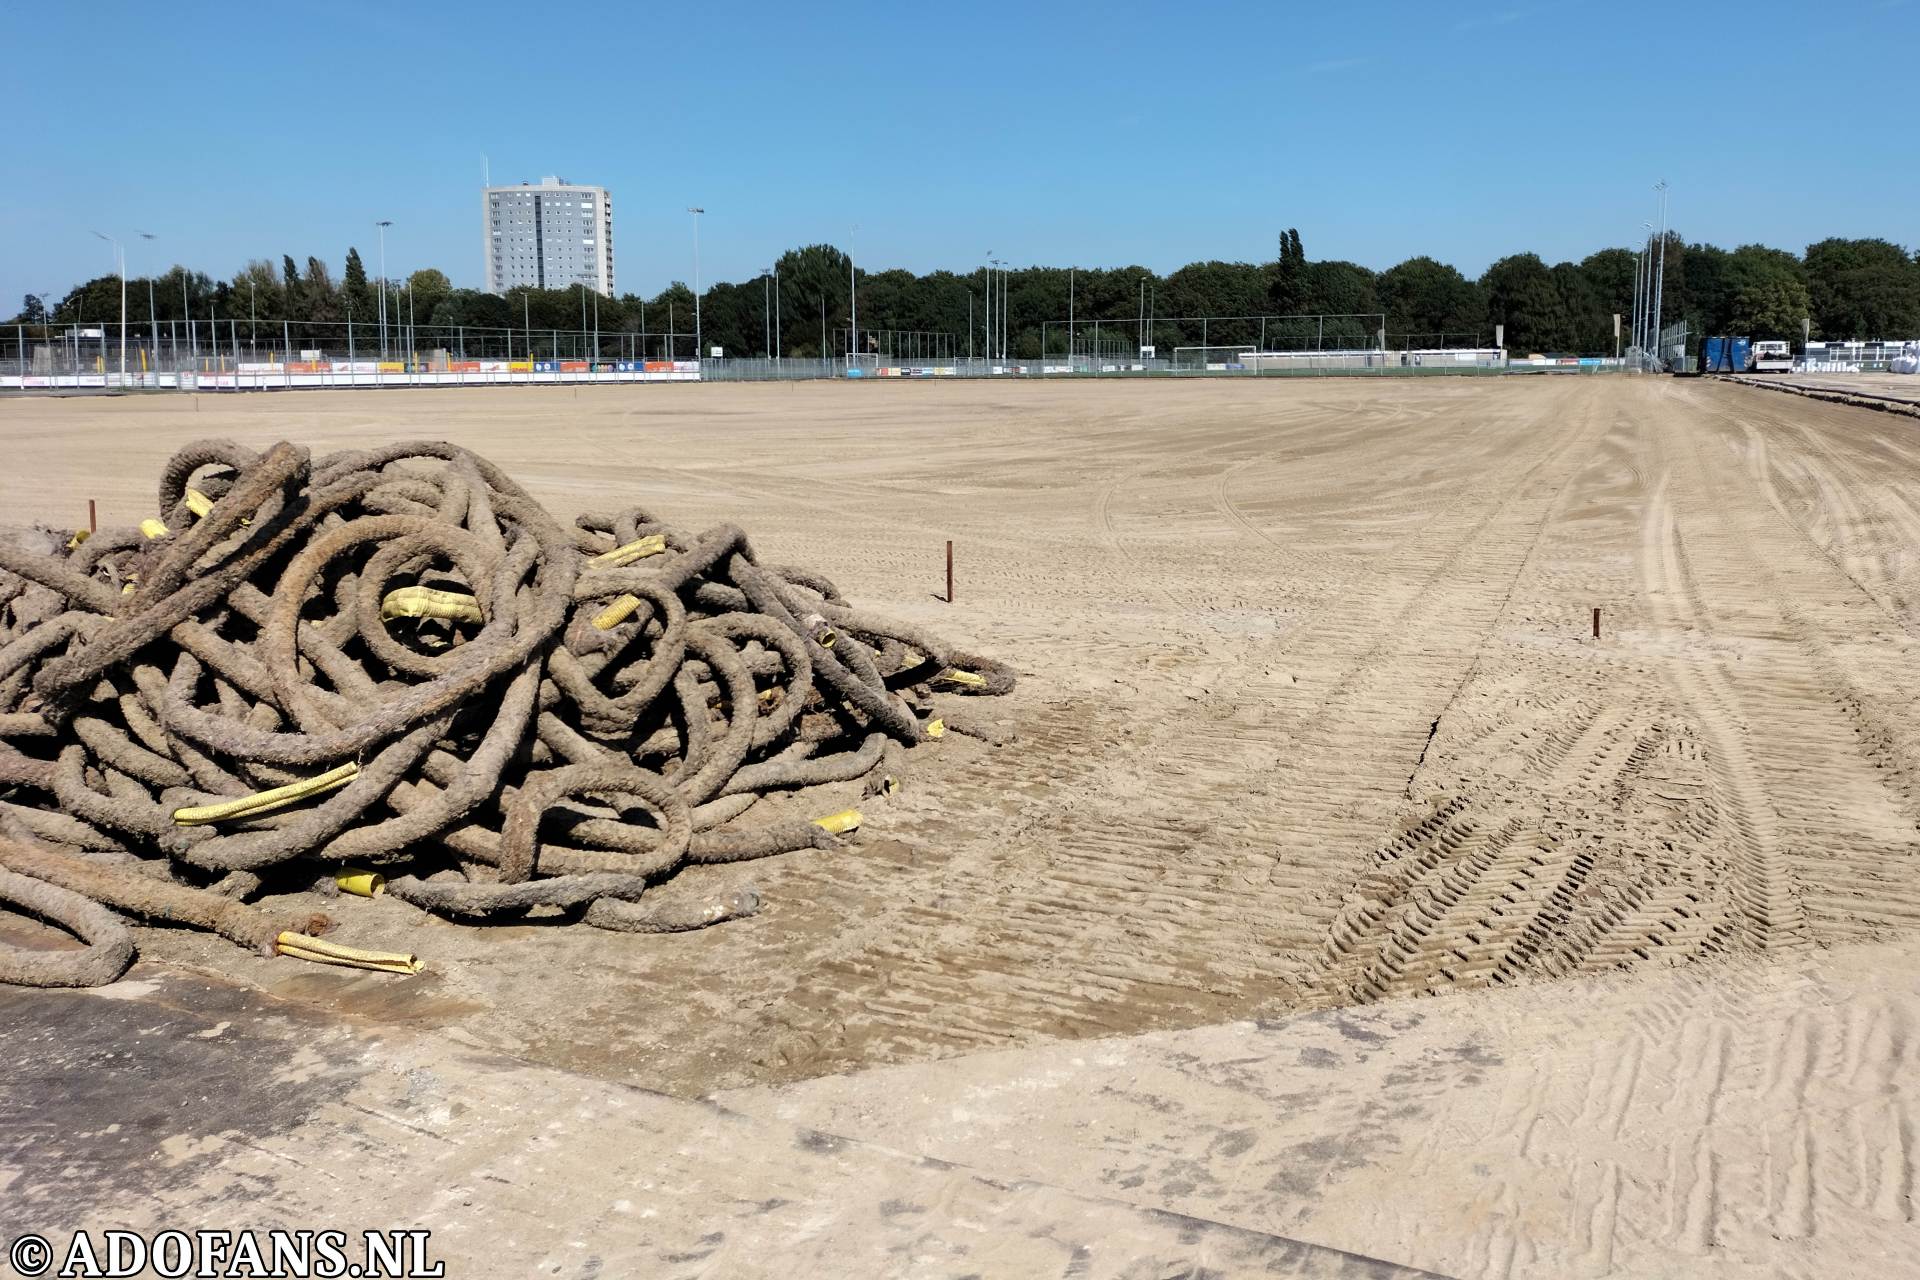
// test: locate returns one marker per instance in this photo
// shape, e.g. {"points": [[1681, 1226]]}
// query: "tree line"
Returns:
{"points": [[1845, 288]]}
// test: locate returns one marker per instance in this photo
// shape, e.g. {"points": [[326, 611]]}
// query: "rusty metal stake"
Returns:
{"points": [[93, 518], [949, 570], [1596, 622]]}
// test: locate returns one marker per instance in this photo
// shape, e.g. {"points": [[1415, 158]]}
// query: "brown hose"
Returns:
{"points": [[527, 746]]}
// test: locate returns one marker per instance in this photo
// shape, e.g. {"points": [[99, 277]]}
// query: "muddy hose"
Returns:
{"points": [[392, 667]]}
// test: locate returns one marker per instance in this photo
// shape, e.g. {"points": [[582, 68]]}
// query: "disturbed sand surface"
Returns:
{"points": [[1311, 717], [1898, 386], [1311, 712]]}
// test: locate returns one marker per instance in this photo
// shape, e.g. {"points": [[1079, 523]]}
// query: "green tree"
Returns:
{"points": [[1862, 289], [429, 287], [813, 300], [1588, 324], [1345, 290], [1429, 303], [322, 302], [1287, 291], [354, 289], [1523, 295], [1610, 274], [1770, 308], [257, 291]]}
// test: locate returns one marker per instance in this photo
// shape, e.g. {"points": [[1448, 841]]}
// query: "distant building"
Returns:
{"points": [[551, 236]]}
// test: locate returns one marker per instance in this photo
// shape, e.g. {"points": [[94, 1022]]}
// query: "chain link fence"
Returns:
{"points": [[237, 354]]}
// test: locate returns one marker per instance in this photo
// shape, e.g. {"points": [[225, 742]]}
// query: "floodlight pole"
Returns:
{"points": [[1070, 271], [153, 313], [986, 334], [696, 211], [383, 224], [1640, 265], [1646, 294], [120, 257], [1002, 334], [853, 295], [1660, 280]]}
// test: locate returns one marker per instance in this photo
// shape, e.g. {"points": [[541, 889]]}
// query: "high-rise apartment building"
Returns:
{"points": [[550, 236]]}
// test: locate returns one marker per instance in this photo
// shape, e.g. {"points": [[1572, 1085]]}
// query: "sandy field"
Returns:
{"points": [[1313, 727], [1899, 386]]}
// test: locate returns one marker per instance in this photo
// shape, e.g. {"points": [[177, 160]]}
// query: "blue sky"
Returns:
{"points": [[1105, 134]]}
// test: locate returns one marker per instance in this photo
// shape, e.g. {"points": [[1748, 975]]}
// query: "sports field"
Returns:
{"points": [[1312, 715]]}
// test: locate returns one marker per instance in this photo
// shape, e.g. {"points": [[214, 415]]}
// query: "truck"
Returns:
{"points": [[1726, 355], [1770, 356]]}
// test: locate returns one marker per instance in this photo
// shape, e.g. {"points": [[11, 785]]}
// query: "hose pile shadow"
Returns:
{"points": [[395, 661]]}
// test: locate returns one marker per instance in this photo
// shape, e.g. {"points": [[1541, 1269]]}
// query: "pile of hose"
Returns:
{"points": [[392, 667]]}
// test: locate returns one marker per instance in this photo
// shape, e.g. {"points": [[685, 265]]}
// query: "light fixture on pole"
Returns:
{"points": [[383, 224], [1646, 292], [1646, 297], [1633, 319], [153, 313], [696, 211], [986, 274], [1660, 278], [1001, 329], [120, 258]]}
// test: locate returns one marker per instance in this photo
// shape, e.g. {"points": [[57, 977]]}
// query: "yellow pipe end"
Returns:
{"points": [[265, 801], [616, 613], [652, 545], [839, 823], [199, 503], [936, 727], [79, 536], [361, 884], [300, 947], [426, 602], [153, 528], [967, 678]]}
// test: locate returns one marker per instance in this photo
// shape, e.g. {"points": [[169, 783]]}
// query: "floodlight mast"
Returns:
{"points": [[696, 211], [1660, 280], [120, 259]]}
